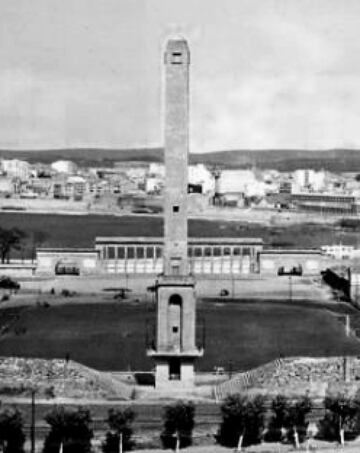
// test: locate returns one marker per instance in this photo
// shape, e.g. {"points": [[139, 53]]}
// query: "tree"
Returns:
{"points": [[280, 408], [68, 427], [178, 425], [340, 421], [289, 419], [12, 437], [242, 421], [297, 419], [120, 425], [9, 239]]}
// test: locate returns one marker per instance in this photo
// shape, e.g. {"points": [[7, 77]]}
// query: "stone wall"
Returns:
{"points": [[18, 269]]}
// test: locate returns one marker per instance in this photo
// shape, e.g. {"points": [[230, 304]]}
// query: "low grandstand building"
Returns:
{"points": [[282, 262], [209, 258], [67, 261], [206, 255]]}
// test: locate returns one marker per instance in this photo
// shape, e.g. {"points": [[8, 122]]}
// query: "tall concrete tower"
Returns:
{"points": [[175, 349]]}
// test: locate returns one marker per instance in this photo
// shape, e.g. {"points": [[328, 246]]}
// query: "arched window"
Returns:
{"points": [[175, 299]]}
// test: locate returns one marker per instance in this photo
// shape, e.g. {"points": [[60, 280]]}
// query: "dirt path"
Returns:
{"points": [[316, 446]]}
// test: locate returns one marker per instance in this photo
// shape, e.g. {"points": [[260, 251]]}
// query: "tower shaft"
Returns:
{"points": [[177, 60]]}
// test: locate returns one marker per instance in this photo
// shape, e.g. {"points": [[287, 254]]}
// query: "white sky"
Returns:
{"points": [[264, 73]]}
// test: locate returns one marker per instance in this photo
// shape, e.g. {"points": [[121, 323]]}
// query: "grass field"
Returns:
{"points": [[112, 336], [81, 230]]}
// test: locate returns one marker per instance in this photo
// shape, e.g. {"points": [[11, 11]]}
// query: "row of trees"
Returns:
{"points": [[13, 239], [70, 431], [244, 423], [244, 420]]}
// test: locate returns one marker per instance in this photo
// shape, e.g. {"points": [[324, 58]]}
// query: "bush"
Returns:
{"points": [[341, 412], [241, 416], [69, 427], [119, 423], [12, 437], [5, 297], [178, 425], [49, 392]]}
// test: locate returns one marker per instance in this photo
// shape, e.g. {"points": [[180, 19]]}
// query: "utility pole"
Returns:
{"points": [[230, 369], [347, 359], [121, 443], [32, 428], [347, 325], [290, 289]]}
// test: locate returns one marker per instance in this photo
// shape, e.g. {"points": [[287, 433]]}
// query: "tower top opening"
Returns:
{"points": [[177, 51]]}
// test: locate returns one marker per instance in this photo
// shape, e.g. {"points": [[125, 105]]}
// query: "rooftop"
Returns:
{"points": [[192, 240]]}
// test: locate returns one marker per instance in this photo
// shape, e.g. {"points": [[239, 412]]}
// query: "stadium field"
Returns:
{"points": [[111, 336]]}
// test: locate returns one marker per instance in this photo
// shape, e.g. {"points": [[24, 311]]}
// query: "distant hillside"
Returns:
{"points": [[283, 160], [337, 160], [89, 157]]}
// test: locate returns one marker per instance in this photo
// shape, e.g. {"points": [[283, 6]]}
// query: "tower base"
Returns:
{"points": [[174, 374], [176, 349]]}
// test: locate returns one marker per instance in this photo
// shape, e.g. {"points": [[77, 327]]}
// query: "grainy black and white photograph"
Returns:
{"points": [[179, 226]]}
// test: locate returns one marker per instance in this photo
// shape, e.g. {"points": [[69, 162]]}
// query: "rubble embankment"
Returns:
{"points": [[57, 379], [297, 376]]}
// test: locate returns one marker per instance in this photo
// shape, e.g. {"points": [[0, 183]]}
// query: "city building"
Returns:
{"points": [[15, 168], [69, 187], [200, 175], [154, 184], [38, 186], [338, 251], [6, 186], [65, 166], [308, 179], [326, 203]]}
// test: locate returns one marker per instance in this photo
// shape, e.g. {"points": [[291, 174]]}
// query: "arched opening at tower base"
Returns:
{"points": [[175, 314]]}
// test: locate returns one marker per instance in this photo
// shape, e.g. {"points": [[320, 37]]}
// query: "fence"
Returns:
{"points": [[243, 381]]}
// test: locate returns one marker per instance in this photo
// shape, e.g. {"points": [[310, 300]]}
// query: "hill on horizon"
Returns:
{"points": [[336, 160]]}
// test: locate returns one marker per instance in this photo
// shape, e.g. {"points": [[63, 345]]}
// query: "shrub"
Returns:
{"points": [[69, 427], [49, 392], [12, 437], [341, 413], [119, 423], [241, 416], [178, 425]]}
